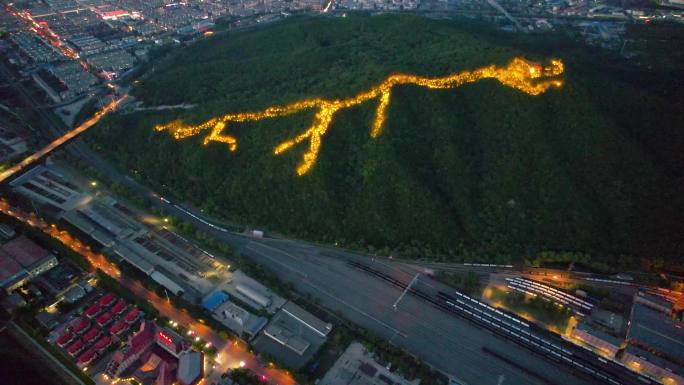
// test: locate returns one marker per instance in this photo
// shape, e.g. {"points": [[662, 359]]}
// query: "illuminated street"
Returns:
{"points": [[62, 139], [43, 31], [230, 354]]}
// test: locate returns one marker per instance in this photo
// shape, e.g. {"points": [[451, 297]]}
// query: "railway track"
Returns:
{"points": [[517, 330]]}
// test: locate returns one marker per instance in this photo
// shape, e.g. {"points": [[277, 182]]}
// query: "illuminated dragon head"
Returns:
{"points": [[531, 78]]}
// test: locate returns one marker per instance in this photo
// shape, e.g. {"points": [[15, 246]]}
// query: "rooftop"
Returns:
{"points": [[589, 329], [25, 251], [653, 299], [307, 319], [657, 331], [190, 367], [652, 358], [10, 270], [214, 300]]}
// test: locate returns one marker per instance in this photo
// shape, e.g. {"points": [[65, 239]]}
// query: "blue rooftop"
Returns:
{"points": [[214, 300]]}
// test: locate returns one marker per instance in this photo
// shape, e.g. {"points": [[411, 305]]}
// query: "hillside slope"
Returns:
{"points": [[482, 171]]}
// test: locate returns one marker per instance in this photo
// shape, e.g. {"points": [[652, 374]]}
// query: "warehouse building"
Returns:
{"points": [[596, 339], [239, 320], [653, 330], [48, 187], [33, 258], [654, 302], [251, 292], [293, 330], [22, 259], [653, 366], [12, 275]]}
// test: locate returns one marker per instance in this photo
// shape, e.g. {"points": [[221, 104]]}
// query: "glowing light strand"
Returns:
{"points": [[530, 78]]}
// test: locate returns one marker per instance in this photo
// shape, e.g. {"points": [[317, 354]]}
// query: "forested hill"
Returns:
{"points": [[482, 171]]}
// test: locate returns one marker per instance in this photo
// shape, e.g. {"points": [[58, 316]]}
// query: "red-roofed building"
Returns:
{"points": [[12, 275], [119, 307], [138, 344], [103, 343], [166, 375], [118, 327], [86, 358], [91, 335], [132, 316], [80, 325], [93, 311], [65, 339], [104, 319], [171, 342], [107, 299], [75, 348], [143, 339], [35, 259]]}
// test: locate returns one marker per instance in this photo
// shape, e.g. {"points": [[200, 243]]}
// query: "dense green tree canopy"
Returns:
{"points": [[482, 171]]}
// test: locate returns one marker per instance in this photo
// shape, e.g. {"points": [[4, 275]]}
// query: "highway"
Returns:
{"points": [[61, 140]]}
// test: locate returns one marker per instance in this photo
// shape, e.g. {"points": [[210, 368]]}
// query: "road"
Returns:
{"points": [[229, 353], [52, 146], [450, 344]]}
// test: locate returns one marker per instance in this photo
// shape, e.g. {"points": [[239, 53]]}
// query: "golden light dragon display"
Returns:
{"points": [[530, 78]]}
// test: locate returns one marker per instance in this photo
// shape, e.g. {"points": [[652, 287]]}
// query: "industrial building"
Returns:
{"points": [[167, 259], [651, 365], [239, 320], [293, 336], [34, 48], [654, 302], [251, 292], [214, 300], [592, 336], [46, 186], [65, 81], [22, 259], [655, 331], [33, 258], [12, 275]]}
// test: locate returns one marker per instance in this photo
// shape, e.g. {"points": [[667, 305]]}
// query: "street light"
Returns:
{"points": [[93, 183]]}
